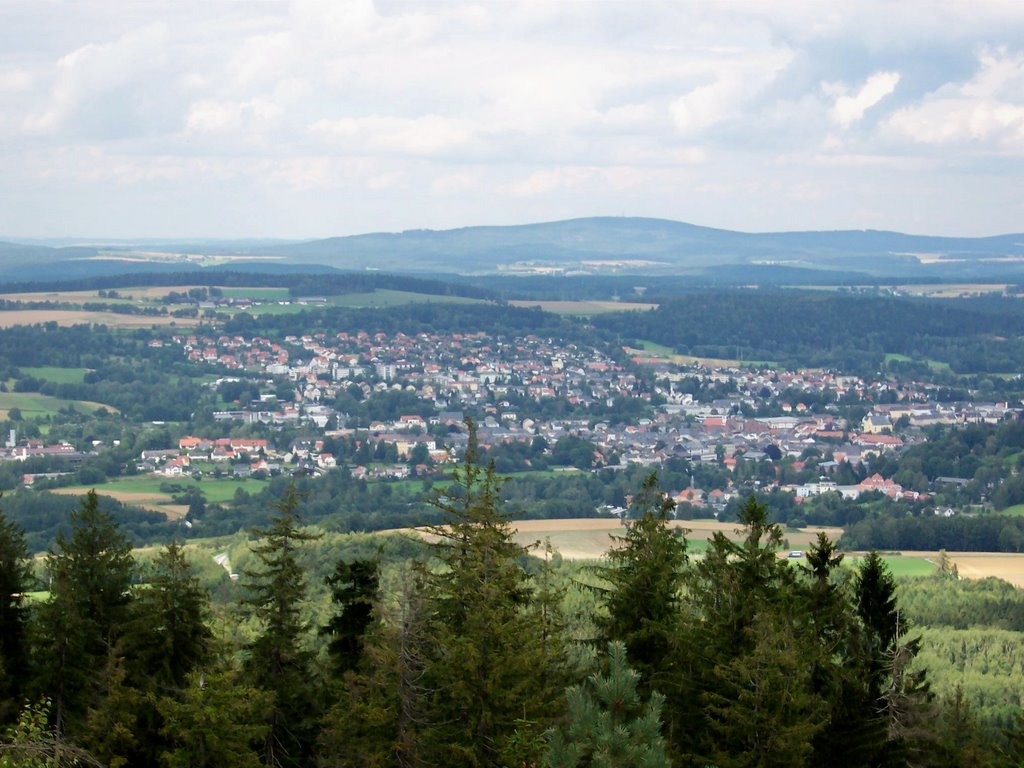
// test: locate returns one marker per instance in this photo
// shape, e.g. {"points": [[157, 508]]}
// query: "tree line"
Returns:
{"points": [[469, 654]]}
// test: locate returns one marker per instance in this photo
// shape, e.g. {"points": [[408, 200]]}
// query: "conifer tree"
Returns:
{"points": [[280, 660], [484, 658], [376, 721], [218, 721], [15, 576], [169, 635], [646, 575], [90, 574], [353, 592], [608, 722]]}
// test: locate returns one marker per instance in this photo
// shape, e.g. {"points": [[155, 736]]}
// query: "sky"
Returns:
{"points": [[314, 118]]}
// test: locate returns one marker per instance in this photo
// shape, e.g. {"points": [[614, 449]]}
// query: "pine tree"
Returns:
{"points": [[169, 636], [762, 711], [218, 721], [15, 576], [485, 657], [376, 721], [353, 592], [646, 575], [90, 575], [898, 694], [280, 660], [608, 723], [849, 738]]}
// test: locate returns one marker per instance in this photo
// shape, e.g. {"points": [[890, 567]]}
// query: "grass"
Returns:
{"points": [[1017, 510], [389, 298], [274, 294], [33, 404], [57, 375], [935, 365], [902, 565], [215, 490], [585, 308]]}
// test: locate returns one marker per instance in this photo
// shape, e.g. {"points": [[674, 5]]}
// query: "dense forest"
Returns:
{"points": [[471, 650], [851, 333]]}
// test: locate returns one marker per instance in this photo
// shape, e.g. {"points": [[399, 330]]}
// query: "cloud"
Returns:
{"points": [[425, 135], [985, 111], [738, 77], [400, 113], [850, 109]]}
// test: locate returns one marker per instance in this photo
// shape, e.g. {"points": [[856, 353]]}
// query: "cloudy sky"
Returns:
{"points": [[216, 118]]}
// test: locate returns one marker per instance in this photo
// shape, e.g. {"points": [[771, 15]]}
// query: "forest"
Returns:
{"points": [[852, 333], [468, 649]]}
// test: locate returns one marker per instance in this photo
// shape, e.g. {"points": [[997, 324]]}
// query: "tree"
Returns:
{"points": [[30, 743], [353, 592], [762, 712], [646, 575], [90, 575], [280, 660], [218, 722], [485, 655], [169, 635], [608, 724], [15, 576]]}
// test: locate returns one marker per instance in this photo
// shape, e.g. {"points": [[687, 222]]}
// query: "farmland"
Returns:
{"points": [[145, 491], [585, 308], [68, 317], [32, 404]]}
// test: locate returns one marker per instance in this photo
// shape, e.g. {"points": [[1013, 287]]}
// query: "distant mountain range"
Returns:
{"points": [[578, 246]]}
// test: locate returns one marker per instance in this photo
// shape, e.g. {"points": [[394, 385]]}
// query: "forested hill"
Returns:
{"points": [[667, 245], [591, 245], [852, 333]]}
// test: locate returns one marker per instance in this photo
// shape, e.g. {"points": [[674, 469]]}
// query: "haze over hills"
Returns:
{"points": [[587, 245]]}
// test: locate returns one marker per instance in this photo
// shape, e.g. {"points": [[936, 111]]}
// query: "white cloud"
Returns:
{"points": [[850, 109], [403, 113], [210, 116], [426, 135], [986, 111], [738, 77]]}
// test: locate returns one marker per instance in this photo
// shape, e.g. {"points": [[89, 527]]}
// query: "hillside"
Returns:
{"points": [[588, 245]]}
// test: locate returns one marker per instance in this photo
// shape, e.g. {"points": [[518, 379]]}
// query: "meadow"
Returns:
{"points": [[145, 491], [32, 404]]}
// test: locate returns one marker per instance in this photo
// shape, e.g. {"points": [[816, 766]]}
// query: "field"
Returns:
{"points": [[55, 374], [33, 404], [661, 352], [589, 538], [68, 317], [585, 308], [144, 491]]}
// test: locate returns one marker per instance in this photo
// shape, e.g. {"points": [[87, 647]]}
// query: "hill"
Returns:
{"points": [[577, 246]]}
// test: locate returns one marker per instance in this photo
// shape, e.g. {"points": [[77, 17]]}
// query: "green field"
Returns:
{"points": [[216, 491], [55, 374], [935, 365], [272, 294], [390, 298], [377, 298], [33, 404], [902, 565]]}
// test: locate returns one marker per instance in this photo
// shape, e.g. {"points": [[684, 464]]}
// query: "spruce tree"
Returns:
{"points": [[646, 574], [217, 721], [608, 724], [15, 576], [169, 635], [90, 574], [353, 593], [280, 660], [484, 658]]}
